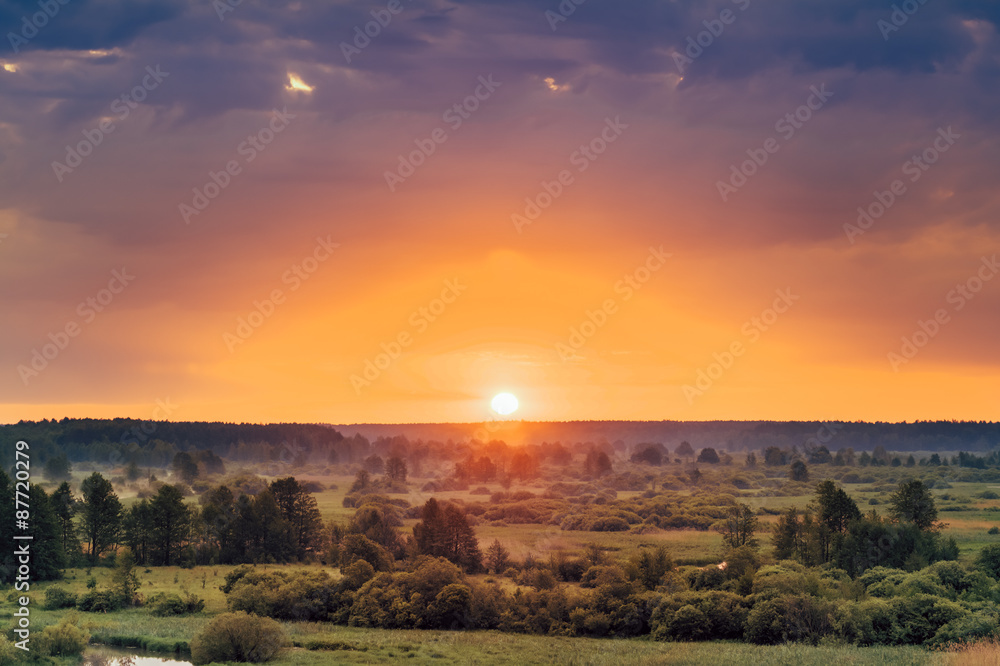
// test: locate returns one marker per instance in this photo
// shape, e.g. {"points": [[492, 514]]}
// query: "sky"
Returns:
{"points": [[391, 211]]}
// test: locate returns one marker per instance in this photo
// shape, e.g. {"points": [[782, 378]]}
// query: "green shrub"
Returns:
{"points": [[57, 597], [8, 653], [868, 622], [98, 601], [65, 639], [163, 605], [687, 624], [237, 637], [966, 629], [790, 619], [989, 560]]}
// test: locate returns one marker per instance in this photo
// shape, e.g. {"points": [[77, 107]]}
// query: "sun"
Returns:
{"points": [[504, 403]]}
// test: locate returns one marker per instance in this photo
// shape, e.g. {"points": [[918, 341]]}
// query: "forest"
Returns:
{"points": [[814, 544]]}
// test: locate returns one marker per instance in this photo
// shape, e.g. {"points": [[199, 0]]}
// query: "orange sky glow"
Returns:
{"points": [[315, 288]]}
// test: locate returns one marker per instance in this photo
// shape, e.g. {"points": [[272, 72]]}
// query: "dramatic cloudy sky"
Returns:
{"points": [[172, 333]]}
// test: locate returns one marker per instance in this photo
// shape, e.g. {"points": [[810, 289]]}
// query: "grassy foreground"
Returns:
{"points": [[380, 646]]}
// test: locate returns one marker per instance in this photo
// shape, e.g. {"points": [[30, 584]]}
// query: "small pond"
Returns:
{"points": [[98, 655]]}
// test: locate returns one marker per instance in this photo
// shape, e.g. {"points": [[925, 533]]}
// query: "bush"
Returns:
{"points": [[687, 624], [99, 601], [65, 639], [163, 605], [788, 619], [967, 629], [57, 597], [237, 637], [989, 560]]}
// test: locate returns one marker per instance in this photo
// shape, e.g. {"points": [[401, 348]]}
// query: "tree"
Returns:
{"points": [[787, 538], [185, 466], [751, 460], [124, 580], [101, 513], [64, 508], [597, 463], [374, 464], [684, 451], [775, 457], [798, 472], [462, 547], [708, 455], [361, 481], [650, 455], [57, 468], [913, 503], [395, 469], [649, 567], [836, 508], [497, 557], [446, 533], [820, 455], [137, 529], [738, 527], [132, 471], [299, 509], [988, 560], [170, 522], [48, 558]]}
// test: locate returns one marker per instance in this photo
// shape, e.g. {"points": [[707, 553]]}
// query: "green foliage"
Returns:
{"points": [[99, 601], [101, 515], [47, 555], [989, 560], [164, 605], [354, 547], [285, 595], [913, 503], [648, 567], [789, 619], [57, 597], [738, 527], [237, 637], [124, 580], [65, 639]]}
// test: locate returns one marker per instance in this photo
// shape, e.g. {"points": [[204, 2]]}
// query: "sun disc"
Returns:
{"points": [[504, 403]]}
